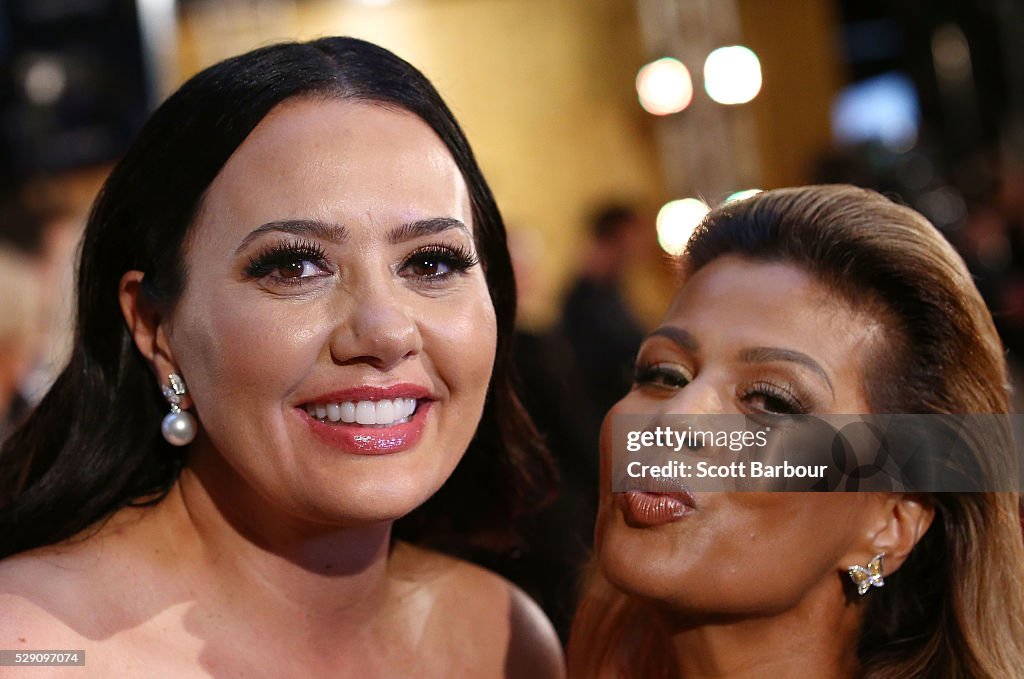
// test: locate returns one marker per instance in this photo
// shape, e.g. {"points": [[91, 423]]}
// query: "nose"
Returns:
{"points": [[379, 328], [699, 397]]}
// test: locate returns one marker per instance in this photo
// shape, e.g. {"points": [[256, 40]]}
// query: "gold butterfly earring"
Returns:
{"points": [[866, 578]]}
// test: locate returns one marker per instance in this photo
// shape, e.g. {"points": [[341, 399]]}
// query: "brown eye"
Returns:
{"points": [[292, 269], [298, 269], [427, 266], [772, 398], [437, 262], [289, 263], [661, 375]]}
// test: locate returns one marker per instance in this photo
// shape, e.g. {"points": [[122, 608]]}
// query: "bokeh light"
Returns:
{"points": [[664, 86], [45, 81], [676, 222], [742, 195], [732, 75]]}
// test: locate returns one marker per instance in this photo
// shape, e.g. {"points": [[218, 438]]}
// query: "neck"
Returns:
{"points": [[818, 638], [287, 575]]}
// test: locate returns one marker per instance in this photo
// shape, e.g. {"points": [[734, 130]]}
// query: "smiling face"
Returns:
{"points": [[332, 276], [744, 337]]}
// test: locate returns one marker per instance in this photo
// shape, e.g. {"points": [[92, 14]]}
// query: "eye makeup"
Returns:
{"points": [[294, 262], [283, 262], [771, 395], [660, 374], [438, 261]]}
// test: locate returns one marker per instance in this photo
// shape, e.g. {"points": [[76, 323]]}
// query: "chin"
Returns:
{"points": [[374, 500], [688, 589], [627, 559], [644, 562]]}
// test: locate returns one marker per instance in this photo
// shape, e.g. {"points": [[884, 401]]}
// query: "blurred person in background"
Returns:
{"points": [[19, 332], [40, 229], [558, 541], [601, 329]]}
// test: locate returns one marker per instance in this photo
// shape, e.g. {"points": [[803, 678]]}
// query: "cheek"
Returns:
{"points": [[777, 546], [461, 340], [234, 353], [742, 553]]}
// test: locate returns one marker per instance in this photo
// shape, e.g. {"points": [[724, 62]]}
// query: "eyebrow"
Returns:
{"points": [[677, 335], [299, 227], [425, 227], [753, 355], [339, 234], [768, 354]]}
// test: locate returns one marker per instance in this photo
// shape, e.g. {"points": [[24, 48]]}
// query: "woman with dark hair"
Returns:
{"points": [[294, 307], [817, 300]]}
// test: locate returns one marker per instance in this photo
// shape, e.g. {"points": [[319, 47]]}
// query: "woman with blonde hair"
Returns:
{"points": [[817, 300]]}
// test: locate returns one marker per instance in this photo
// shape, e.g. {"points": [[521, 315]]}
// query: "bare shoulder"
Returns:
{"points": [[534, 649], [478, 604], [41, 589], [33, 603], [83, 597], [54, 595]]}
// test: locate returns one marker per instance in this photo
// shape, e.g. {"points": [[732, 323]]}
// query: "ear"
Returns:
{"points": [[148, 327], [896, 524]]}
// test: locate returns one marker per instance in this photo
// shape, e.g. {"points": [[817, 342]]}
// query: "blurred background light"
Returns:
{"points": [[664, 86], [951, 54], [881, 109], [45, 81], [676, 222], [732, 75], [742, 195]]}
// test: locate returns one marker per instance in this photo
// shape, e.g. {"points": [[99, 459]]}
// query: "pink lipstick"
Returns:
{"points": [[369, 420]]}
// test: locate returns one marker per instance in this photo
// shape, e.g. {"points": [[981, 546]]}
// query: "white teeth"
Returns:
{"points": [[366, 412], [382, 412], [385, 412]]}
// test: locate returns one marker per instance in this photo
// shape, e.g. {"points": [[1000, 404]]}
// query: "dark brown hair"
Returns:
{"points": [[93, 445]]}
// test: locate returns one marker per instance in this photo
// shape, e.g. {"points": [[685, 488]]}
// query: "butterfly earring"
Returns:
{"points": [[866, 578]]}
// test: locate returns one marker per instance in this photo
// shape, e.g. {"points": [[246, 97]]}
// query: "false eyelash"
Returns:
{"points": [[775, 391], [269, 259], [458, 257], [650, 372]]}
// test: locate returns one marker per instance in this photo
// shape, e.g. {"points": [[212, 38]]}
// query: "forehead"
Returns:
{"points": [[344, 162], [735, 303]]}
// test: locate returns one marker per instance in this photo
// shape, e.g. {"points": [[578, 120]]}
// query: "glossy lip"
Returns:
{"points": [[642, 509], [361, 439]]}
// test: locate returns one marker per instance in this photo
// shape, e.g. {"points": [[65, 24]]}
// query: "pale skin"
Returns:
{"points": [[272, 556], [751, 584]]}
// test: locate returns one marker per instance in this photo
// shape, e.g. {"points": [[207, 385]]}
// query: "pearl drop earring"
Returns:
{"points": [[178, 427]]}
